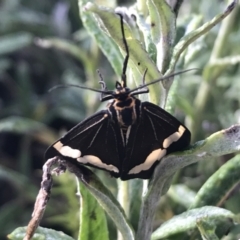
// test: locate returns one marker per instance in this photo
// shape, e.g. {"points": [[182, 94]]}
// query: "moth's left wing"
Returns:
{"points": [[156, 134], [96, 142]]}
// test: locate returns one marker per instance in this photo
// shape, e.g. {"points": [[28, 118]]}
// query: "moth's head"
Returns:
{"points": [[121, 91]]}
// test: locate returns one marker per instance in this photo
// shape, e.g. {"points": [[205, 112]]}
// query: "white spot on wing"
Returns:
{"points": [[154, 156], [95, 161], [58, 146], [67, 151], [181, 130], [173, 137]]}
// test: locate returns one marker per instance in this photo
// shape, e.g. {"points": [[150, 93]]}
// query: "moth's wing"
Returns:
{"points": [[95, 141], [156, 134]]}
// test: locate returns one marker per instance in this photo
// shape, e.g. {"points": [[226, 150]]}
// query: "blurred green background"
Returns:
{"points": [[31, 118]]}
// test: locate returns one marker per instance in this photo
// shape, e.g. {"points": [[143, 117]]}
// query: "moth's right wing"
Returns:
{"points": [[96, 142]]}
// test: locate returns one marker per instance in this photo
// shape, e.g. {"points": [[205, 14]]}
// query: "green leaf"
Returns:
{"points": [[163, 22], [177, 191], [135, 198], [138, 55], [19, 181], [219, 184], [145, 30], [206, 229], [20, 125], [104, 197], [23, 125], [188, 221], [218, 144], [41, 234], [65, 46], [93, 224], [192, 36], [13, 42], [106, 44]]}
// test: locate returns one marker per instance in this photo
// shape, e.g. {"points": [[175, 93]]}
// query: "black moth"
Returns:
{"points": [[129, 138]]}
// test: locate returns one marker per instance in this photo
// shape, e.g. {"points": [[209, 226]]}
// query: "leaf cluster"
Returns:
{"points": [[43, 44]]}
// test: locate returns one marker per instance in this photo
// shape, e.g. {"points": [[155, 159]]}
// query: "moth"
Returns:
{"points": [[128, 138]]}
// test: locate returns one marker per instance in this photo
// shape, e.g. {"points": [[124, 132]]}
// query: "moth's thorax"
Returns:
{"points": [[126, 110]]}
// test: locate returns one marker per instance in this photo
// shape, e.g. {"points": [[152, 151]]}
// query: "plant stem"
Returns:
{"points": [[123, 199]]}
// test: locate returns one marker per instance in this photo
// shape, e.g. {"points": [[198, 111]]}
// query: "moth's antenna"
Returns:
{"points": [[163, 78], [125, 63], [82, 87]]}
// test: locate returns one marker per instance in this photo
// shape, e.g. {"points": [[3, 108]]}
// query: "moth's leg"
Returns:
{"points": [[144, 89], [101, 82], [103, 97]]}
